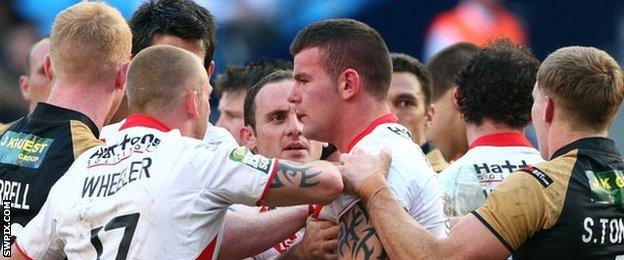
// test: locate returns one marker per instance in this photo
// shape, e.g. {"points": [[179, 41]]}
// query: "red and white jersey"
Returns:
{"points": [[411, 178], [490, 159], [214, 134], [149, 193]]}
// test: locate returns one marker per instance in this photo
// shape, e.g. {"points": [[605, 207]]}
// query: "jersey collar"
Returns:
{"points": [[502, 139], [387, 118], [143, 120]]}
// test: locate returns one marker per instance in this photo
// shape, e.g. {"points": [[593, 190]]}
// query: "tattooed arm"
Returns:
{"points": [[317, 182]]}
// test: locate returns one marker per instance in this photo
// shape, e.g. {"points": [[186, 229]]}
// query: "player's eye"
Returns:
{"points": [[405, 103], [277, 118]]}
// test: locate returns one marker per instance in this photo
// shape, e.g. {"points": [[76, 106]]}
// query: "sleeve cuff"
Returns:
{"points": [[21, 251], [260, 201], [486, 224]]}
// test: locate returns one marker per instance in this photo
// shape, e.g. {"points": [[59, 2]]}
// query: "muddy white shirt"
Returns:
{"points": [[149, 193], [411, 178], [468, 181]]}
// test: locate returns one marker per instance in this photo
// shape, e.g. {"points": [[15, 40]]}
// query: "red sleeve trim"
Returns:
{"points": [[260, 201], [19, 249]]}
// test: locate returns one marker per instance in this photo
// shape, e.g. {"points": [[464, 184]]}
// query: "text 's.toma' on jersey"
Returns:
{"points": [[570, 207], [488, 161], [149, 193], [35, 152]]}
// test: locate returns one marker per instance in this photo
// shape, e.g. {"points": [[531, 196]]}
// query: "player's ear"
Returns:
{"points": [[120, 78], [247, 137], [191, 103], [549, 111], [47, 67], [23, 84], [456, 96], [349, 84], [429, 113], [210, 69]]}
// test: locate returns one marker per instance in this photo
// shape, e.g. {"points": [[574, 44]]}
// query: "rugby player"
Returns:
{"points": [[569, 207], [493, 96], [233, 85], [37, 150], [342, 70], [409, 97], [448, 130], [180, 23], [167, 190], [34, 84], [273, 130]]}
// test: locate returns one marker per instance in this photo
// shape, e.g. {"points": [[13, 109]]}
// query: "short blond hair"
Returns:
{"points": [[159, 74], [587, 82], [89, 41]]}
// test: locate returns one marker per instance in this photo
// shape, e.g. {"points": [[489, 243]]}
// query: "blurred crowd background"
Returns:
{"points": [[254, 29]]}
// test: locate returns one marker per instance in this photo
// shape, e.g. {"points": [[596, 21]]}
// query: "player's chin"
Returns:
{"points": [[297, 155]]}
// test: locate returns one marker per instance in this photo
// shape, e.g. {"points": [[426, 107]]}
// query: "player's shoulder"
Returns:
{"points": [[109, 130], [218, 135]]}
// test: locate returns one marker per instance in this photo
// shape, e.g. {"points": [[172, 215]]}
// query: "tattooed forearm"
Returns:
{"points": [[358, 239], [299, 175]]}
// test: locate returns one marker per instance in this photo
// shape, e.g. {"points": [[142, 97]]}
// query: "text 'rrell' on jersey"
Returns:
{"points": [[114, 153], [16, 192]]}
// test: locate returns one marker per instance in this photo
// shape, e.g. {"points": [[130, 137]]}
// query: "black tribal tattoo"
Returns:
{"points": [[356, 233], [289, 172]]}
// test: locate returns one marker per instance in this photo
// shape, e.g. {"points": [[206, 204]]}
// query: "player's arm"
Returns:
{"points": [[272, 227], [317, 182], [508, 225]]}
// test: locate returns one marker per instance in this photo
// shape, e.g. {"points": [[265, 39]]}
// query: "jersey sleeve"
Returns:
{"points": [[39, 239], [516, 210], [237, 176]]}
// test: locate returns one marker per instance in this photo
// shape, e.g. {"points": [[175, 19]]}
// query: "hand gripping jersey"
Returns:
{"points": [[35, 152], [411, 178], [149, 193], [489, 160], [570, 207]]}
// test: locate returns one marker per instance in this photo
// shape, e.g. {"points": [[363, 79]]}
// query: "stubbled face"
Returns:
{"points": [[314, 95], [537, 116], [231, 112], [407, 101], [37, 85], [278, 130], [448, 130]]}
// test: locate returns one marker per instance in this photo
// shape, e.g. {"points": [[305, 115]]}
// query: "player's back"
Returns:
{"points": [[143, 195]]}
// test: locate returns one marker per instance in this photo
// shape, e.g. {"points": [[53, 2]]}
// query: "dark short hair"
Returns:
{"points": [[347, 43], [180, 18], [496, 84], [404, 63], [242, 78], [587, 82], [249, 109], [446, 64]]}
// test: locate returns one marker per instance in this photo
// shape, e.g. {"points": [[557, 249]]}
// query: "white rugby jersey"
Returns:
{"points": [[490, 159], [411, 178], [149, 193], [214, 134]]}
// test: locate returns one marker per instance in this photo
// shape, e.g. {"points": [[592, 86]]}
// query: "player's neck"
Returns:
{"points": [[91, 101], [487, 127], [560, 135], [355, 120]]}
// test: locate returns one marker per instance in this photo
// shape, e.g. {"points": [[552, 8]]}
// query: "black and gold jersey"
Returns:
{"points": [[35, 151], [434, 156], [570, 207]]}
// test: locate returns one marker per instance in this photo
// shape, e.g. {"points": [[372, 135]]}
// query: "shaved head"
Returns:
{"points": [[159, 74]]}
